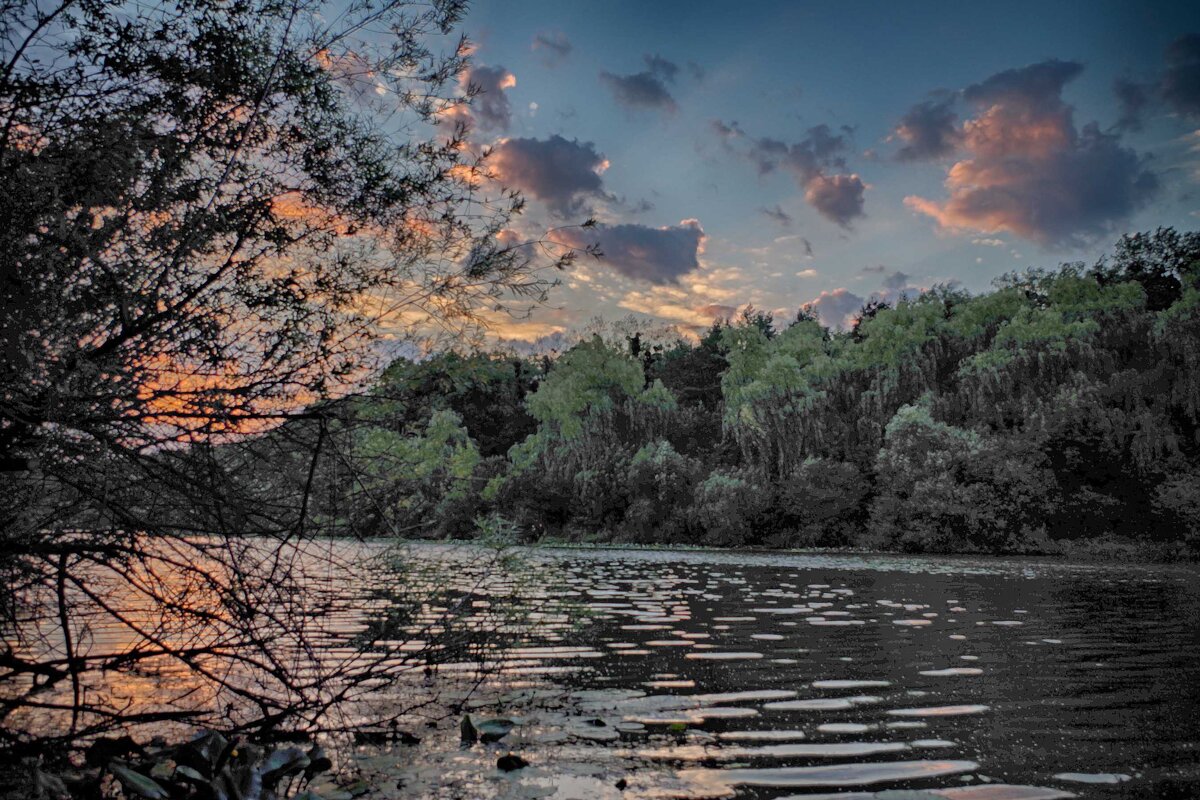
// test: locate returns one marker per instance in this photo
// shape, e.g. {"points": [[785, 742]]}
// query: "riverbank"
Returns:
{"points": [[1091, 550]]}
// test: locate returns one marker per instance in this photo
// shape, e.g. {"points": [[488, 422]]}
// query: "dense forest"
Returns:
{"points": [[1062, 405]]}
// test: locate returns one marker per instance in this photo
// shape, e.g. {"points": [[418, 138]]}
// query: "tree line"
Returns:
{"points": [[1062, 405]]}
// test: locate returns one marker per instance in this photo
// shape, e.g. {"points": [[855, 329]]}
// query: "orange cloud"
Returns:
{"points": [[1027, 170]]}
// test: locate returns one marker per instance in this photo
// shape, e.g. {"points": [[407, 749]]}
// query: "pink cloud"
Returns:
{"points": [[1027, 170]]}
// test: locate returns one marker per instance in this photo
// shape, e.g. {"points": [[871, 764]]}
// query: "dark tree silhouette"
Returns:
{"points": [[210, 211]]}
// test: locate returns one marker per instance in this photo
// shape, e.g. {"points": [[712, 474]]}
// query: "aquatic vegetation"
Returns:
{"points": [[209, 767], [874, 711]]}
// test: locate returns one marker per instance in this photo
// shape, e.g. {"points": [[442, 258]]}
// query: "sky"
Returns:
{"points": [[823, 154]]}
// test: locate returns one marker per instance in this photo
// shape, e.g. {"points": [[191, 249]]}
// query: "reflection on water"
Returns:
{"points": [[706, 675], [702, 675]]}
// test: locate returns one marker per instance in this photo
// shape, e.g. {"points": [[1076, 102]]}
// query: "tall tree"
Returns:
{"points": [[210, 210]]}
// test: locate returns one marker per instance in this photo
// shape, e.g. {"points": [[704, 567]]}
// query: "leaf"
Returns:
{"points": [[186, 772], [239, 782], [358, 788], [282, 763], [205, 753], [493, 730], [105, 749], [138, 783]]}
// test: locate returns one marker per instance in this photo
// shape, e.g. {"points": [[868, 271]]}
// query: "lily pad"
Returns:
{"points": [[137, 783], [493, 730]]}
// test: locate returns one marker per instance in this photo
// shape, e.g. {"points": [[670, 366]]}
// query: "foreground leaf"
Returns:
{"points": [[138, 783]]}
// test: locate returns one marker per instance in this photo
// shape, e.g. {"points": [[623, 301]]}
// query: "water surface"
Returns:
{"points": [[646, 674], [705, 675]]}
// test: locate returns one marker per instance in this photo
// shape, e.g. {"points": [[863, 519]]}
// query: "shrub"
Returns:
{"points": [[661, 485], [822, 503], [1178, 498], [728, 505], [945, 489]]}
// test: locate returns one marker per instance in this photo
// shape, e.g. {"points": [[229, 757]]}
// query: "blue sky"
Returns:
{"points": [[789, 153]]}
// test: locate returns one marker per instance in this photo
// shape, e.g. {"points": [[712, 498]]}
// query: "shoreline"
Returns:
{"points": [[1092, 551]]}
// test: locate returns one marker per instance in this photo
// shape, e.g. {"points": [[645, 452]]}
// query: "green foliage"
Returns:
{"points": [[945, 489], [771, 388], [487, 392], [590, 380], [1178, 497], [416, 478], [660, 484], [822, 502], [1063, 403], [728, 507], [1164, 263]]}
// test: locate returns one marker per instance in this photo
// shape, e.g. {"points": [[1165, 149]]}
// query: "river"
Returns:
{"points": [[704, 675], [699, 674]]}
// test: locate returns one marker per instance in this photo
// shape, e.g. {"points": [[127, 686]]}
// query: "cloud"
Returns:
{"points": [[657, 255], [1132, 100], [661, 68], [928, 130], [552, 341], [835, 309], [777, 214], [674, 304], [805, 243], [1180, 85], [1026, 169], [727, 130], [820, 149], [489, 108], [1035, 89], [554, 47], [642, 90], [896, 287], [559, 172], [715, 311], [838, 198], [896, 281], [839, 308]]}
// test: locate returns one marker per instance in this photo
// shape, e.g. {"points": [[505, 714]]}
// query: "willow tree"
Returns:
{"points": [[771, 388], [594, 411], [210, 211]]}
